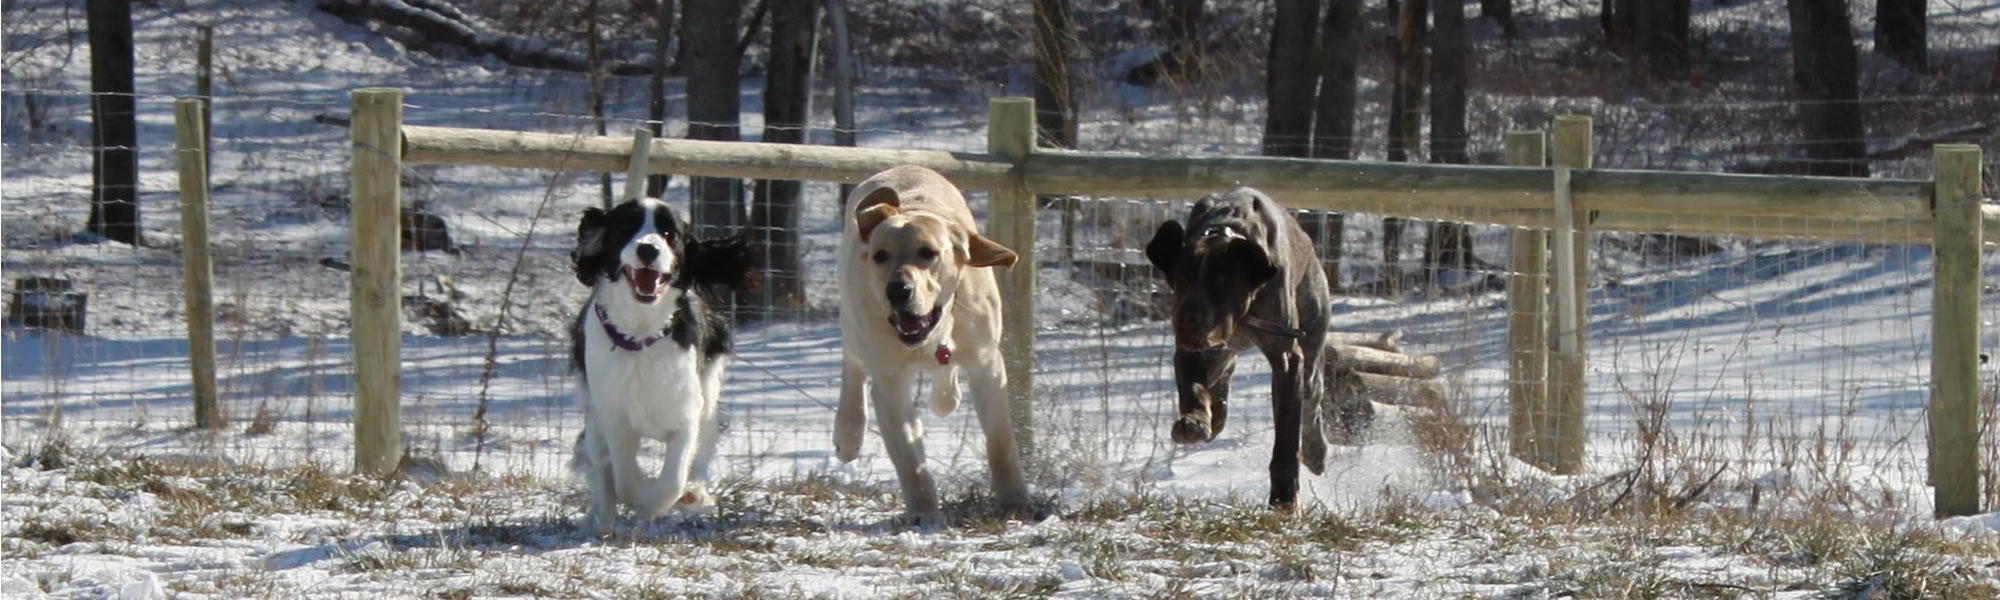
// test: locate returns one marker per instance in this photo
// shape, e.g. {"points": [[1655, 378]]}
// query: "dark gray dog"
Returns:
{"points": [[1243, 273]]}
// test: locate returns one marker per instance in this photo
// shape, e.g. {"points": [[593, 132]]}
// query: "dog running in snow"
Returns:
{"points": [[650, 353], [917, 296], [1243, 273]]}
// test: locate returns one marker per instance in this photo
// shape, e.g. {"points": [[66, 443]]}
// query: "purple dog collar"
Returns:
{"points": [[625, 342]]}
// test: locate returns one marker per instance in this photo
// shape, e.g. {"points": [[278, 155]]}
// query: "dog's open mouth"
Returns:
{"points": [[646, 283], [912, 327]]}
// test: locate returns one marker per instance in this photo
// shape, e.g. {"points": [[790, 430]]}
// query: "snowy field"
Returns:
{"points": [[1756, 417]]}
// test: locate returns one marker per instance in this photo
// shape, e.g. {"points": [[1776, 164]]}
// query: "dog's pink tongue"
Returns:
{"points": [[908, 323], [647, 281]]}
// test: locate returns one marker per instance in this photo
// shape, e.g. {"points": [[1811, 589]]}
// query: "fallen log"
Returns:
{"points": [[1371, 360], [1391, 341], [1389, 389]]}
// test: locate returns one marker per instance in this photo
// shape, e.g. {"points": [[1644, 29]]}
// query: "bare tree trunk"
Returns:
{"points": [[1449, 245], [1288, 79], [1900, 32], [843, 81], [1660, 46], [114, 191], [1055, 99], [1612, 16], [656, 185], [1502, 12], [1682, 26], [591, 46], [1405, 121], [1333, 119], [774, 221], [1826, 70], [1185, 45], [1055, 86], [708, 35]]}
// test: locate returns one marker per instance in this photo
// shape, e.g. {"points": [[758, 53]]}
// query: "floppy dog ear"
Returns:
{"points": [[585, 260], [981, 251], [872, 216], [1165, 246], [1255, 260], [871, 210], [726, 262]]}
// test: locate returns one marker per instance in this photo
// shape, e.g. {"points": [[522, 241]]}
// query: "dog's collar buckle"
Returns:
{"points": [[625, 342], [943, 355]]}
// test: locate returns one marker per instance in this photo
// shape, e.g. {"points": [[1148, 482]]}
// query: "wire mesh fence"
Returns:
{"points": [[1715, 365]]}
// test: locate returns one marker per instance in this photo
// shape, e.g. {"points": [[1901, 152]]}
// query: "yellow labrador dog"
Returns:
{"points": [[917, 296]]}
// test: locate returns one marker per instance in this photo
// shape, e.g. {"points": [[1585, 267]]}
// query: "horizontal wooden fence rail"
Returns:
{"points": [[696, 158], [1869, 210]]}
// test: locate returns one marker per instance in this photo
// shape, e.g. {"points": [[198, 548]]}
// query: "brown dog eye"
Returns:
{"points": [[881, 256], [927, 253]]}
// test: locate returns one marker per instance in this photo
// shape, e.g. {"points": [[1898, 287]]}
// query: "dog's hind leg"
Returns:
{"points": [[903, 438], [708, 432], [944, 391], [850, 420], [1003, 457]]}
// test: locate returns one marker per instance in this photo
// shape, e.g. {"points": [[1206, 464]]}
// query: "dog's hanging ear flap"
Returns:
{"points": [[981, 251], [1165, 246], [585, 260], [1256, 261], [873, 209], [726, 262]]}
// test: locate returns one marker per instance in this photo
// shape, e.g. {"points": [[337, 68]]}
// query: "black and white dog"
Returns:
{"points": [[650, 353]]}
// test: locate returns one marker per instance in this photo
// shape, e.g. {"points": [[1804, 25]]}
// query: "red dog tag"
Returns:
{"points": [[944, 355]]}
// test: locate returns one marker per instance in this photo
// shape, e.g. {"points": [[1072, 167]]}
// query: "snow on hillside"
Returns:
{"points": [[1795, 372]]}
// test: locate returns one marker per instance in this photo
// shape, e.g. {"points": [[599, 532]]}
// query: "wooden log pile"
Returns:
{"points": [[1363, 369]]}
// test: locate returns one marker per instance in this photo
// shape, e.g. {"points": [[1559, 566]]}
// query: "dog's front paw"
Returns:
{"points": [[1312, 453], [1192, 429], [924, 521], [846, 442], [697, 499], [657, 498], [595, 525]]}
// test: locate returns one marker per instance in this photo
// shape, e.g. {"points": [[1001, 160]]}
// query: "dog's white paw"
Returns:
{"points": [[657, 498], [924, 521], [847, 439], [944, 392], [595, 525], [697, 499]]}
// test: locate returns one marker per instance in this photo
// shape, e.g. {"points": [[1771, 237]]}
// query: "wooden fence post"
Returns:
{"points": [[1574, 149], [1010, 132], [1954, 439], [1528, 322], [191, 153], [376, 294], [635, 173]]}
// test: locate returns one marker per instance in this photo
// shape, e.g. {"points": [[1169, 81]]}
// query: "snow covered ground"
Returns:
{"points": [[1777, 387]]}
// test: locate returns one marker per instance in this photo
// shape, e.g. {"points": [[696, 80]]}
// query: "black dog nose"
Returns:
{"points": [[648, 252], [899, 292]]}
